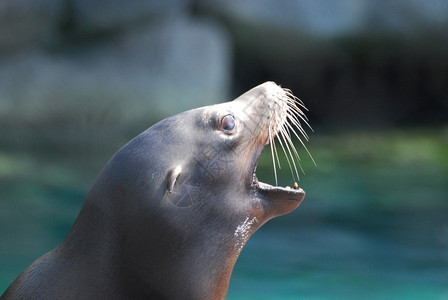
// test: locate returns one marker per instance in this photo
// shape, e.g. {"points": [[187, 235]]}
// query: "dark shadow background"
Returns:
{"points": [[79, 78]]}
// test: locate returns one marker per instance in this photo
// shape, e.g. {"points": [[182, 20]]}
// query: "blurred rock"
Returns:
{"points": [[106, 15], [115, 88], [361, 63], [24, 23], [114, 67], [332, 18]]}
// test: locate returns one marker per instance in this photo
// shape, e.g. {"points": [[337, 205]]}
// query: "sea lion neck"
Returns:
{"points": [[148, 253], [199, 265], [152, 270]]}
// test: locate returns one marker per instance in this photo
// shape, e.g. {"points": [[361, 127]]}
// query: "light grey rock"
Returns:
{"points": [[106, 15], [26, 23], [116, 88]]}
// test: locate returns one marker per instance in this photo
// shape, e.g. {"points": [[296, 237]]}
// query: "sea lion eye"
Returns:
{"points": [[228, 124]]}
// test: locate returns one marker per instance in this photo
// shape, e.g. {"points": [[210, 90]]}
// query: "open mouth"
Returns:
{"points": [[283, 123], [294, 193]]}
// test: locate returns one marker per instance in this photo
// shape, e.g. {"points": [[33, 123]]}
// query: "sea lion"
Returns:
{"points": [[170, 212]]}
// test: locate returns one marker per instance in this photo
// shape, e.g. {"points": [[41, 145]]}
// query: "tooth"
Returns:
{"points": [[296, 186], [288, 187]]}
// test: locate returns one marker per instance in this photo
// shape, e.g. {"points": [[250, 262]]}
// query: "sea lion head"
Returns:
{"points": [[183, 198]]}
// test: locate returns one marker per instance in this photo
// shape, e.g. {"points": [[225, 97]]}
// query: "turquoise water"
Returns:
{"points": [[371, 255], [374, 224]]}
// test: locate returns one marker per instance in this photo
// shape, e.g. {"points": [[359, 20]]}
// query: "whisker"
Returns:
{"points": [[286, 121], [288, 130], [303, 144], [275, 150], [298, 114], [293, 147], [298, 118], [284, 151], [272, 153], [297, 124], [294, 114], [297, 111], [293, 103], [289, 139], [289, 151], [294, 98]]}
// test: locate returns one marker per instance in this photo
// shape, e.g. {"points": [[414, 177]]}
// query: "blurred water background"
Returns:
{"points": [[79, 78]]}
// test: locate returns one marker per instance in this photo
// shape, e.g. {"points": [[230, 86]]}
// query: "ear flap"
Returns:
{"points": [[172, 176]]}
